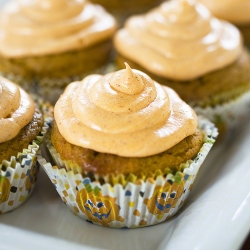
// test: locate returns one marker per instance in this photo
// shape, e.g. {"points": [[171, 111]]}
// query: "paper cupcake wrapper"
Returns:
{"points": [[28, 85], [138, 204], [49, 89], [231, 114], [18, 176]]}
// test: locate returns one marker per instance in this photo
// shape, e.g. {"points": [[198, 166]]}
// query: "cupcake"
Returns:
{"points": [[45, 44], [126, 149], [236, 12], [181, 45], [23, 125], [122, 9]]}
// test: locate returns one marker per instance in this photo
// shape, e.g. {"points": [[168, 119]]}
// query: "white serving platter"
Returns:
{"points": [[215, 216]]}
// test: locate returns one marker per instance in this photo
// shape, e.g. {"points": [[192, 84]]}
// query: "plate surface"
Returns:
{"points": [[215, 216]]}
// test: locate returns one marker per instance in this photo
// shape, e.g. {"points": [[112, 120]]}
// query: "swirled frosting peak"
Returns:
{"points": [[41, 27], [16, 109], [234, 11], [124, 113], [179, 40], [128, 82]]}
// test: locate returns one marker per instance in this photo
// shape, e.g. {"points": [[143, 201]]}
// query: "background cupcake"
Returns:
{"points": [[46, 44], [179, 44], [123, 9], [236, 12], [23, 125], [127, 150]]}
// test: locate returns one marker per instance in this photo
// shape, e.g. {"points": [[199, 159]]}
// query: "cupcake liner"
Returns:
{"points": [[28, 85], [136, 204], [18, 176], [231, 113], [49, 89]]}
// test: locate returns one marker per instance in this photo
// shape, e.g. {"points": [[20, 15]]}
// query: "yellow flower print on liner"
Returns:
{"points": [[4, 189]]}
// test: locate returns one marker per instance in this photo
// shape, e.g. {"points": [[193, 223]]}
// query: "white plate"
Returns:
{"points": [[216, 215]]}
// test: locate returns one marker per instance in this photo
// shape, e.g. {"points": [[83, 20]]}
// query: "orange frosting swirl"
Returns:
{"points": [[179, 40], [40, 27], [17, 109], [234, 11], [124, 113]]}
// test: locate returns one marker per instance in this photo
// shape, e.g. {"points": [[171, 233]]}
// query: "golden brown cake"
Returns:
{"points": [[58, 65], [181, 45], [133, 6], [122, 135], [103, 164], [123, 9], [22, 140]]}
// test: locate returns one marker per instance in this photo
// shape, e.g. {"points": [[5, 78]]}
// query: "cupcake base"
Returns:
{"points": [[137, 204], [75, 62], [47, 76]]}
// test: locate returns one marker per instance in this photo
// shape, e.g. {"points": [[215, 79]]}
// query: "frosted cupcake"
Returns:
{"points": [[181, 45], [23, 126], [236, 12], [53, 42], [126, 149]]}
